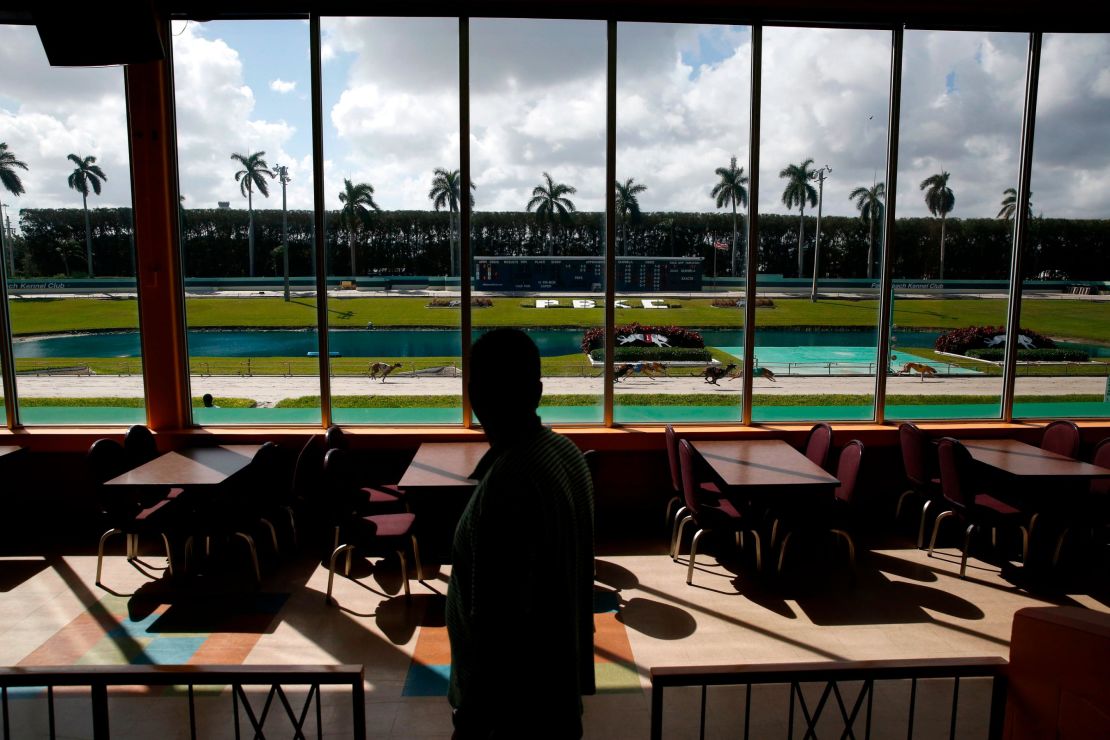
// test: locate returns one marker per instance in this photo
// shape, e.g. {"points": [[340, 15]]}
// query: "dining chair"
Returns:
{"points": [[919, 459], [353, 530], [140, 448], [335, 439], [716, 516], [123, 511], [270, 487], [676, 509], [976, 509], [818, 444], [1061, 437], [1091, 508]]}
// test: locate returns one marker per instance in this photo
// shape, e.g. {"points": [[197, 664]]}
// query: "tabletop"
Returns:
{"points": [[1018, 458], [6, 450], [766, 463], [194, 466], [444, 465]]}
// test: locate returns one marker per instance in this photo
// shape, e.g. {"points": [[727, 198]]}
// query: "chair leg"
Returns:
{"points": [[254, 554], [921, 527], [678, 537], [758, 551], [331, 569], [273, 534], [1059, 547], [693, 554], [851, 546], [169, 554], [292, 524], [100, 552], [936, 529], [670, 508], [967, 546], [404, 572], [901, 500], [674, 529], [782, 551], [416, 557], [774, 533]]}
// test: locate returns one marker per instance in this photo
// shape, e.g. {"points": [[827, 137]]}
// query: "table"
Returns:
{"points": [[1020, 459], [437, 486], [195, 466], [6, 450], [768, 464]]}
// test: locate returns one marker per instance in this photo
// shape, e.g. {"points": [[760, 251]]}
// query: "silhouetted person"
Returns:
{"points": [[520, 601], [208, 401]]}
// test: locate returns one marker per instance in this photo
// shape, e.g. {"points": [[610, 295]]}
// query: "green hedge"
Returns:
{"points": [[1031, 355], [654, 354]]}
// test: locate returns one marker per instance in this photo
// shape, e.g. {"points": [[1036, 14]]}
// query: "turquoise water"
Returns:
{"points": [[834, 360]]}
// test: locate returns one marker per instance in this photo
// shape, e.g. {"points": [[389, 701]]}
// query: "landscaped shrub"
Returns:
{"points": [[959, 341], [739, 303], [677, 336], [1031, 355], [654, 354], [455, 302]]}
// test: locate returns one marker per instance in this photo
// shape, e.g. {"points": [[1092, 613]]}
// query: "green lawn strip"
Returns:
{"points": [[1079, 319], [128, 402]]}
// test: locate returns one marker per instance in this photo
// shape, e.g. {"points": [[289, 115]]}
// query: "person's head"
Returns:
{"points": [[206, 399], [504, 385]]}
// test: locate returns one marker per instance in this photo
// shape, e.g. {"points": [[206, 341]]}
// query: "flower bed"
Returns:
{"points": [[959, 341], [675, 337]]}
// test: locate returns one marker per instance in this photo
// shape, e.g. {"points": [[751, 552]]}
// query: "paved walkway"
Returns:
{"points": [[267, 390]]}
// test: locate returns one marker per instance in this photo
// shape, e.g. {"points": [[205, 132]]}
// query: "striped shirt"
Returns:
{"points": [[520, 600]]}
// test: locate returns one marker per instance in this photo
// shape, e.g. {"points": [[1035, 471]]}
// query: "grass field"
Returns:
{"points": [[1078, 319]]}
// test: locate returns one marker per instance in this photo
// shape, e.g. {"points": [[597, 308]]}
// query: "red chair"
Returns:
{"points": [[125, 514], [919, 458], [1061, 437], [354, 530], [707, 489], [716, 516], [377, 494], [1092, 509], [976, 509], [818, 444]]}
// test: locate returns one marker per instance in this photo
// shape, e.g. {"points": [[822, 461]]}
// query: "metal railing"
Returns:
{"points": [[276, 678], [854, 711]]}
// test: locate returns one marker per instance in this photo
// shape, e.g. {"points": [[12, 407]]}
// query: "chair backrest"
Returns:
{"points": [[818, 444], [1101, 458], [269, 470], [308, 475], [335, 439], [139, 445], [917, 453], [106, 459], [1061, 437], [591, 462], [687, 461], [339, 487], [847, 471], [672, 459], [955, 472]]}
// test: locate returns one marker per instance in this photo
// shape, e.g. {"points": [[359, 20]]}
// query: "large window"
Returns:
{"points": [[1065, 263], [392, 200], [67, 235], [681, 205], [822, 162], [244, 134], [959, 149]]}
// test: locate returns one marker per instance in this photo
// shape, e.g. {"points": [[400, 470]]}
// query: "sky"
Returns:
{"points": [[537, 102]]}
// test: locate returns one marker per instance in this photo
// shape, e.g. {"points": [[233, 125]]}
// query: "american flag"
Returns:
{"points": [[723, 246]]}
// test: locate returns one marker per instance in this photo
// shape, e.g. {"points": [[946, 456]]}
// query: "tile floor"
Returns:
{"points": [[902, 605]]}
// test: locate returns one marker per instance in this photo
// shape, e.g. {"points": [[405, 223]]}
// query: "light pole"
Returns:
{"points": [[6, 238], [820, 175], [283, 176]]}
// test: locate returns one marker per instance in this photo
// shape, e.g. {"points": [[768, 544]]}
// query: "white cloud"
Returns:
{"points": [[281, 86]]}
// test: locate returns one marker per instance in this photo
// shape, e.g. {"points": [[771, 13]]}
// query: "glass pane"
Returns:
{"points": [[1065, 263], [244, 136], [682, 153], [962, 100], [391, 137], [822, 163], [68, 236], [537, 112]]}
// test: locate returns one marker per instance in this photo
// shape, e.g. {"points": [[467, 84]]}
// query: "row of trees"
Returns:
{"points": [[417, 242]]}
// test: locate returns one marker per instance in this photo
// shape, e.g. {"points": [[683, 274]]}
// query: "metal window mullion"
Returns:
{"points": [[886, 254], [1021, 222], [465, 262], [610, 218], [319, 226], [752, 258], [7, 357]]}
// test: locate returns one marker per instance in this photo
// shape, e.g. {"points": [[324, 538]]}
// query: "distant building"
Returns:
{"points": [[224, 204]]}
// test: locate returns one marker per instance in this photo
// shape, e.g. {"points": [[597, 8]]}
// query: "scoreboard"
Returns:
{"points": [[586, 274]]}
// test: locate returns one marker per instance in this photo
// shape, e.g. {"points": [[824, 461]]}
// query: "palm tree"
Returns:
{"points": [[869, 201], [551, 201], [797, 192], [627, 204], [940, 201], [1009, 204], [253, 175], [446, 192], [14, 185], [731, 190], [357, 201], [86, 174]]}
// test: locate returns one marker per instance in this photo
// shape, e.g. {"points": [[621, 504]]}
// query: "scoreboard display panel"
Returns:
{"points": [[586, 274]]}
